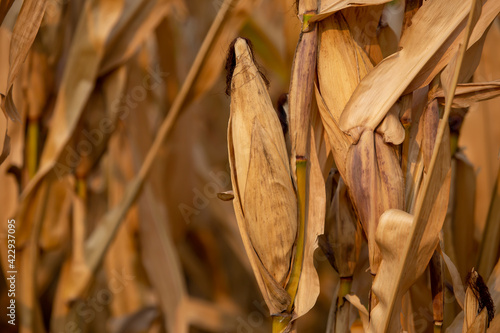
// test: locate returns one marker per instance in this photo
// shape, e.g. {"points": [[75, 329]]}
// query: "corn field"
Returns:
{"points": [[249, 166]]}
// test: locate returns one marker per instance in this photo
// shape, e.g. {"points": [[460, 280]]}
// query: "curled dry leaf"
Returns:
{"points": [[363, 312], [470, 93], [391, 128], [448, 49]]}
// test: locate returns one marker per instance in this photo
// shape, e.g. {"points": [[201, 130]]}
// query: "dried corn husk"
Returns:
{"points": [[341, 66], [264, 196]]}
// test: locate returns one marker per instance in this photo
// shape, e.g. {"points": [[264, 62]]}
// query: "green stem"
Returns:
{"points": [[280, 322], [293, 283]]}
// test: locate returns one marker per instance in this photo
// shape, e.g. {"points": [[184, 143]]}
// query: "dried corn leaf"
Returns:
{"points": [[381, 88], [470, 93], [161, 261], [27, 262], [135, 25], [86, 256], [309, 288], [490, 244], [23, 35], [458, 287], [78, 81], [413, 161], [363, 312], [329, 7], [323, 149], [447, 50], [122, 256]]}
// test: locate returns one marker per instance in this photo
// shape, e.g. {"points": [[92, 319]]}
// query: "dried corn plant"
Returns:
{"points": [[366, 200]]}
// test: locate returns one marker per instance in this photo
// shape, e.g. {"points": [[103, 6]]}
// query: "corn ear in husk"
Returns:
{"points": [[264, 196]]}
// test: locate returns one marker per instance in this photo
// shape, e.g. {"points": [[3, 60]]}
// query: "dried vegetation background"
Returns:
{"points": [[113, 143]]}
